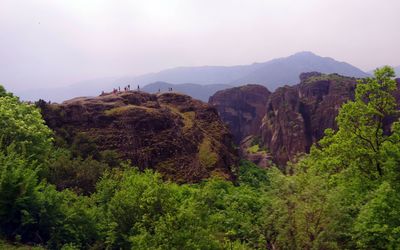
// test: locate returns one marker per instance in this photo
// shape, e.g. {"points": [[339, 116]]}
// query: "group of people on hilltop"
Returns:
{"points": [[118, 90], [169, 90], [127, 88]]}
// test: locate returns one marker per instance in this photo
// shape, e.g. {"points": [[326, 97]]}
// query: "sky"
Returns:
{"points": [[52, 43]]}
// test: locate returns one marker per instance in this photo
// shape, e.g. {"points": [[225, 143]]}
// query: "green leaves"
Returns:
{"points": [[22, 126], [18, 194], [378, 223], [361, 123], [4, 93], [141, 211]]}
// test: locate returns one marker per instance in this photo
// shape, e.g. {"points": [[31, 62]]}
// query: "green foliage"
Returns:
{"points": [[254, 149], [324, 77], [80, 175], [252, 175], [70, 219], [14, 246], [32, 211], [236, 213], [361, 123], [111, 158], [188, 119], [84, 146], [22, 125], [4, 93], [141, 211], [378, 223], [19, 196]]}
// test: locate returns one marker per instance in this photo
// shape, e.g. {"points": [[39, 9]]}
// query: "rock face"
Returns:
{"points": [[242, 108], [289, 120], [182, 138], [297, 116]]}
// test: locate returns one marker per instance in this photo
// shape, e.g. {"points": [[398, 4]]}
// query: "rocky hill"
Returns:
{"points": [[182, 138], [293, 117]]}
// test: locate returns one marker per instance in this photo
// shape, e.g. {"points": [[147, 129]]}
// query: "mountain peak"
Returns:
{"points": [[304, 53]]}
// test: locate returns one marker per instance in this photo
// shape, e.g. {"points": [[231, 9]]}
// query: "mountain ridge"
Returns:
{"points": [[271, 74], [264, 73]]}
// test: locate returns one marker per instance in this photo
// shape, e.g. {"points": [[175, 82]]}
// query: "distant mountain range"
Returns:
{"points": [[197, 81], [271, 74]]}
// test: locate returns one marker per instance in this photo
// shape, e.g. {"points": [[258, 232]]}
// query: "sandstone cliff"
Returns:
{"points": [[182, 138], [297, 116], [241, 108], [293, 117]]}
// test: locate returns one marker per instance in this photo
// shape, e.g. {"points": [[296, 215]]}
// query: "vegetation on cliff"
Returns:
{"points": [[345, 194], [173, 134]]}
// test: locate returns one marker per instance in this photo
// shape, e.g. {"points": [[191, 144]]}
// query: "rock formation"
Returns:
{"points": [[242, 108], [297, 116], [293, 117], [182, 138]]}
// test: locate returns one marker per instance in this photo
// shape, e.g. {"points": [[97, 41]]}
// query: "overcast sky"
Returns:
{"points": [[54, 42]]}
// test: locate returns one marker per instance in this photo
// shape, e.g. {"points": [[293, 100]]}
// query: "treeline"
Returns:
{"points": [[345, 194]]}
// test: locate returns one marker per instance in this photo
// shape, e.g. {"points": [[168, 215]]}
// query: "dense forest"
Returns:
{"points": [[344, 194]]}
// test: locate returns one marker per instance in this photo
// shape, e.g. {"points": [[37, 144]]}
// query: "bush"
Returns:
{"points": [[22, 125], [77, 174], [19, 197]]}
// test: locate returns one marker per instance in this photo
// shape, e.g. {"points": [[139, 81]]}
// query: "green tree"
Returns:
{"points": [[19, 190], [362, 123], [3, 92], [378, 224], [22, 125], [76, 174], [322, 205]]}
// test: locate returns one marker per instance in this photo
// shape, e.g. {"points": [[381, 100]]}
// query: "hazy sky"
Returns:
{"points": [[54, 42]]}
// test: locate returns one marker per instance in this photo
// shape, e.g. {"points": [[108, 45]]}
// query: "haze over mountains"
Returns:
{"points": [[202, 82], [271, 74]]}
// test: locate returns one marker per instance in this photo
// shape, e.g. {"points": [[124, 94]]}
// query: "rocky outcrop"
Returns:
{"points": [[241, 108], [286, 122], [297, 116], [182, 138]]}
